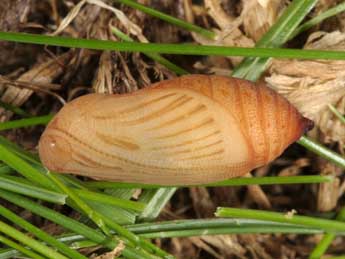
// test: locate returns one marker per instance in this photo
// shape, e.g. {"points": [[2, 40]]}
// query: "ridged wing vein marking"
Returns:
{"points": [[135, 108], [215, 153], [120, 143], [157, 114], [190, 150], [89, 162], [121, 159], [195, 110], [188, 142], [206, 122]]}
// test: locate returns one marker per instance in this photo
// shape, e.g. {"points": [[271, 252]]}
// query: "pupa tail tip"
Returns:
{"points": [[307, 125]]}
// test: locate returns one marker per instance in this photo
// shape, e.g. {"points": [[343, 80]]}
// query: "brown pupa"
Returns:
{"points": [[190, 130]]}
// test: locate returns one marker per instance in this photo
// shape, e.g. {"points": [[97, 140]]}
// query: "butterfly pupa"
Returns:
{"points": [[193, 129]]}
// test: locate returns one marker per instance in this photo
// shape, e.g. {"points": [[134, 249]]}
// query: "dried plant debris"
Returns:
{"points": [[41, 74], [103, 81], [328, 195], [113, 74], [313, 84], [227, 30], [255, 18], [113, 254], [202, 202], [259, 16]]}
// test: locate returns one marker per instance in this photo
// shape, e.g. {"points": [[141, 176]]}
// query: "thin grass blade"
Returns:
{"points": [[278, 34], [156, 57], [155, 201], [242, 181], [17, 247], [183, 49], [318, 19], [327, 225], [30, 242], [27, 122], [40, 234], [32, 191]]}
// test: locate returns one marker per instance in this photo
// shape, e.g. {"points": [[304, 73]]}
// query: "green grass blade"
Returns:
{"points": [[18, 150], [40, 234], [327, 225], [104, 222], [213, 225], [322, 246], [93, 215], [165, 62], [325, 242], [40, 120], [68, 223], [58, 218], [278, 34], [119, 215], [4, 169], [24, 168], [123, 216], [100, 220], [260, 229], [19, 248], [139, 242], [183, 49], [155, 201], [30, 242], [318, 19], [322, 151], [72, 181], [197, 227], [229, 231], [123, 193], [14, 109], [266, 180], [336, 113], [107, 199], [31, 191], [156, 57], [170, 19]]}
